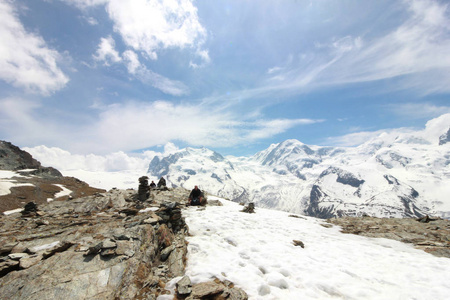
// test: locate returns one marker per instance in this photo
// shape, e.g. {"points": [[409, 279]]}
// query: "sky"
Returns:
{"points": [[256, 253], [106, 76]]}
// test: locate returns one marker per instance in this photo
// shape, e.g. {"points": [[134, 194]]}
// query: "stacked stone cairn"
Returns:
{"points": [[30, 209], [143, 189]]}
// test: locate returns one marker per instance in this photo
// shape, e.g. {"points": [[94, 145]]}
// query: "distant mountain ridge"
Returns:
{"points": [[397, 174], [13, 158]]}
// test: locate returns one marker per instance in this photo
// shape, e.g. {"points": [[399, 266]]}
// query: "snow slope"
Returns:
{"points": [[256, 252]]}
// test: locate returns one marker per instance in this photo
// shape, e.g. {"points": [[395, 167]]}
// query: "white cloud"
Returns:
{"points": [[170, 148], [132, 61], [203, 56], [150, 25], [90, 20], [432, 131], [139, 125], [140, 71], [106, 51], [66, 161], [21, 123], [83, 4], [147, 26], [25, 59], [269, 128], [166, 85], [353, 139], [419, 110]]}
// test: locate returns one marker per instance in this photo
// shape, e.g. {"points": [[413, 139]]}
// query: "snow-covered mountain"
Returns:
{"points": [[401, 173]]}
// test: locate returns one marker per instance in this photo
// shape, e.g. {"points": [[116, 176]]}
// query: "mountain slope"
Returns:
{"points": [[24, 179]]}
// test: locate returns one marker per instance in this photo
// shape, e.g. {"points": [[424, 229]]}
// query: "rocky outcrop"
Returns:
{"points": [[105, 246], [90, 248], [432, 236]]}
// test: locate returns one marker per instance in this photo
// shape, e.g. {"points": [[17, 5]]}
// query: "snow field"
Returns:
{"points": [[256, 252]]}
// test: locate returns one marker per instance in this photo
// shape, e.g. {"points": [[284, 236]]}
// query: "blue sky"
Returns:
{"points": [[101, 76]]}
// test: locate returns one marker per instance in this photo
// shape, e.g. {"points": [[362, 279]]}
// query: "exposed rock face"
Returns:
{"points": [[432, 237], [343, 177], [445, 138], [88, 249]]}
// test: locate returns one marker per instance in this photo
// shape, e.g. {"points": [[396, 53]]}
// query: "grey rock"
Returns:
{"points": [[184, 286], [206, 289], [107, 244], [17, 256], [7, 247], [166, 252], [235, 294], [29, 261]]}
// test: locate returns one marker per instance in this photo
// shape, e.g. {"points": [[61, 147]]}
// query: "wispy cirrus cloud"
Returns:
{"points": [[26, 61], [418, 110], [122, 126], [417, 46], [415, 52]]}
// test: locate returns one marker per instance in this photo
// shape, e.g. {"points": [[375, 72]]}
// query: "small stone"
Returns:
{"points": [[107, 252], [94, 249], [236, 294], [298, 243], [326, 225], [17, 256], [108, 244], [20, 247], [27, 262], [214, 203], [250, 208], [42, 222], [153, 220], [166, 252]]}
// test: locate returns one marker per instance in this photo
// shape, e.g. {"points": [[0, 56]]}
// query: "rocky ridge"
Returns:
{"points": [[105, 246]]}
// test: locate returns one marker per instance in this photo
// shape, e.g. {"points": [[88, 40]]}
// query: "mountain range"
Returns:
{"points": [[400, 173]]}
